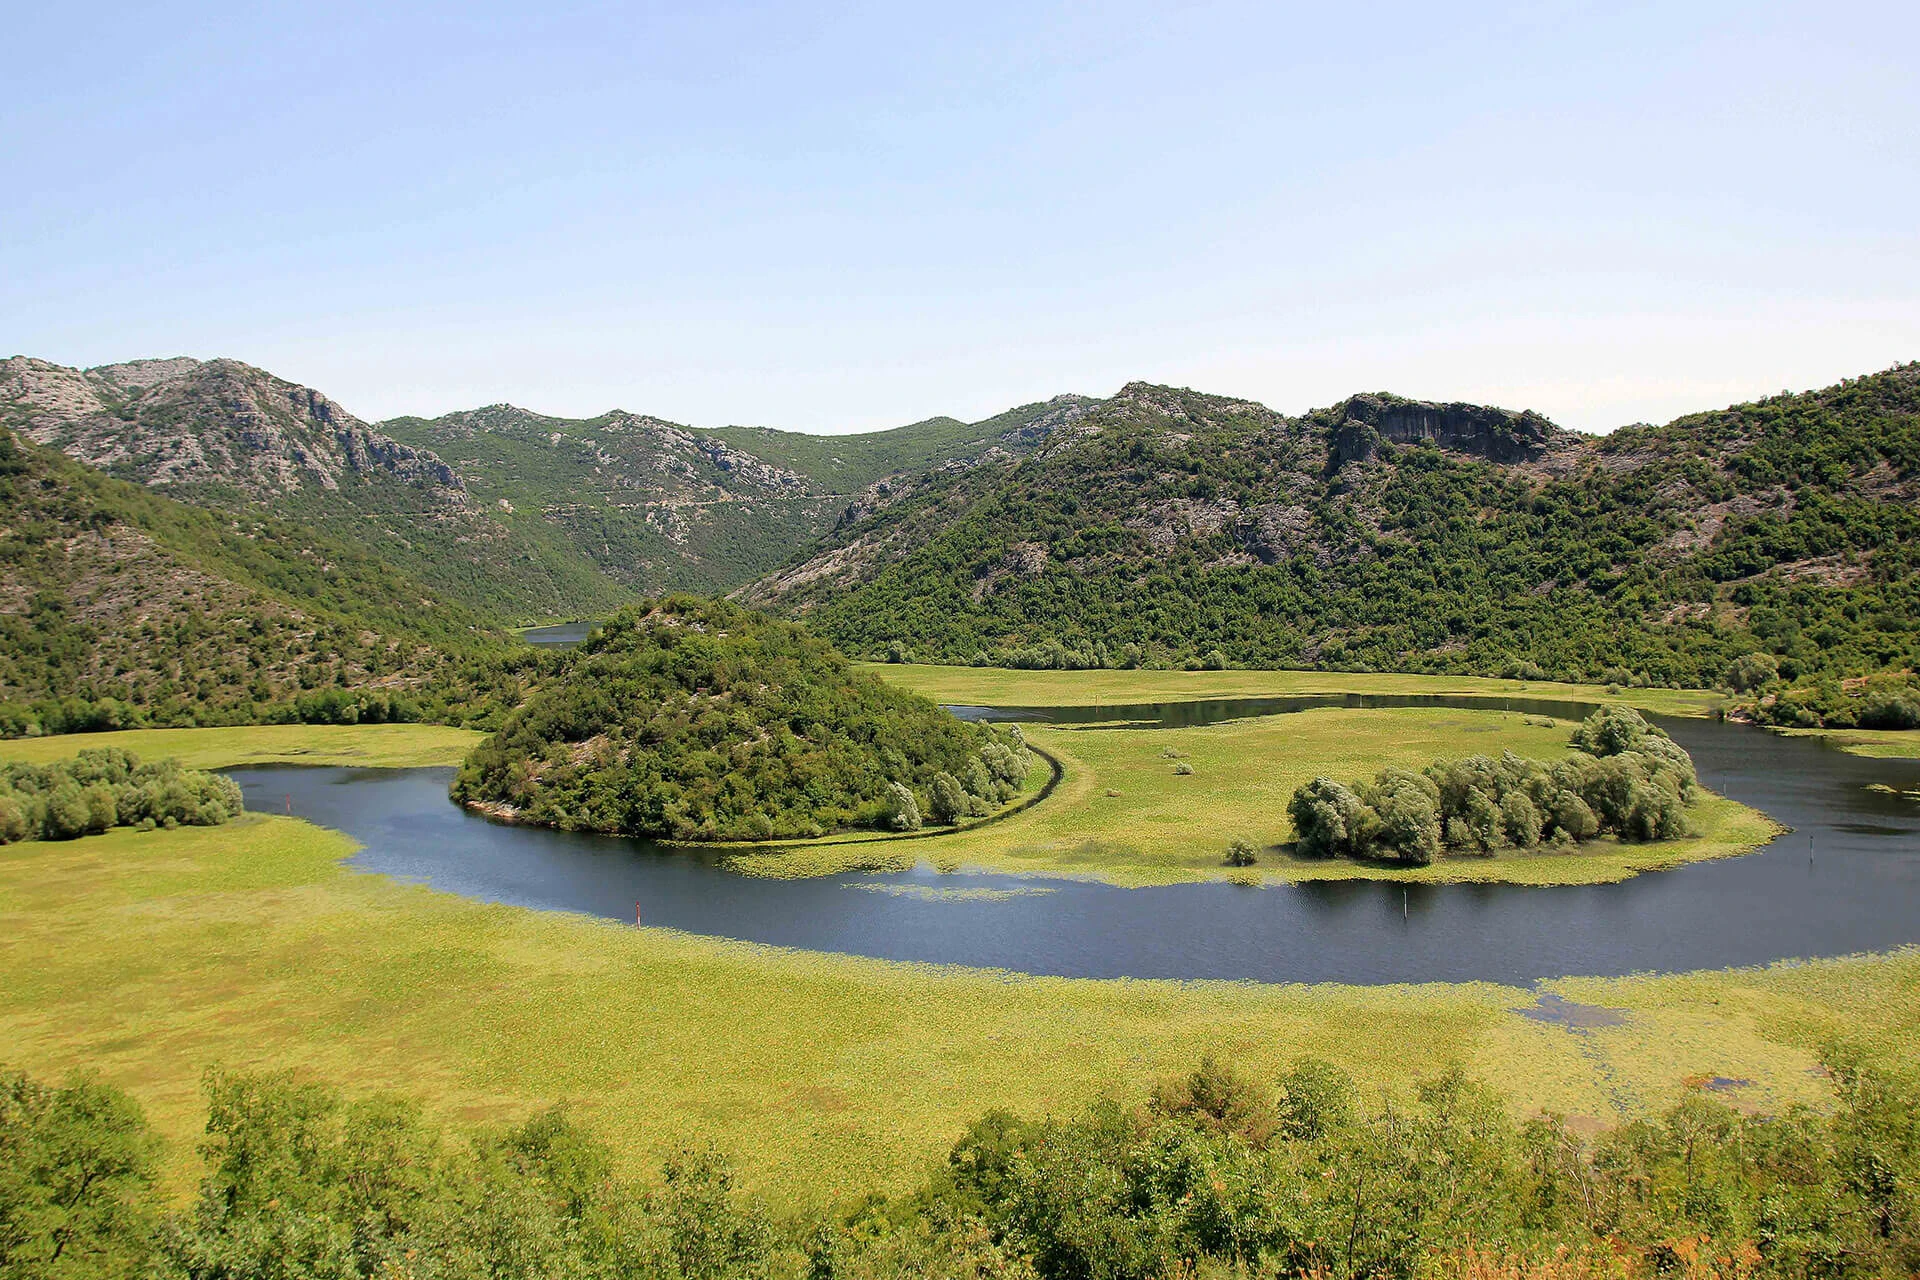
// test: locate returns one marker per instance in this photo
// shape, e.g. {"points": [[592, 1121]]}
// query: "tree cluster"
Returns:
{"points": [[1626, 778], [1889, 700], [699, 720], [107, 787]]}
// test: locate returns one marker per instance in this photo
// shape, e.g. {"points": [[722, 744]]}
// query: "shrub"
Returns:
{"points": [[1631, 779], [1752, 671], [1241, 853]]}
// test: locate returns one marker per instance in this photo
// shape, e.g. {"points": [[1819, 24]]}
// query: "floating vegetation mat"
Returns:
{"points": [[935, 893]]}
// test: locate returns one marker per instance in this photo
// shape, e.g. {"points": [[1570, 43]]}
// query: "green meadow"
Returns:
{"points": [[384, 746], [1150, 806], [996, 686], [150, 956]]}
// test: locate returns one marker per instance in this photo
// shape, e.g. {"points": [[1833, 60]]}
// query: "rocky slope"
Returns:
{"points": [[656, 505], [223, 434], [1167, 525], [121, 606]]}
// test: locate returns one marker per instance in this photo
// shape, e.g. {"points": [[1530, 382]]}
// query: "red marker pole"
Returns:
{"points": [[636, 915], [289, 806]]}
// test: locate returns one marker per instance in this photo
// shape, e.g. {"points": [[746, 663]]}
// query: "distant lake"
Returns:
{"points": [[561, 634], [1846, 879]]}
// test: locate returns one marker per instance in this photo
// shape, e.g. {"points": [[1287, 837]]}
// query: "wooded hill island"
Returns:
{"points": [[698, 720], [1219, 668]]}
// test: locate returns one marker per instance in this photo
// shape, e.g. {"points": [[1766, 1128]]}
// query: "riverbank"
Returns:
{"points": [[1130, 806], [1158, 806], [150, 956], [1875, 744], [381, 746], [999, 687]]}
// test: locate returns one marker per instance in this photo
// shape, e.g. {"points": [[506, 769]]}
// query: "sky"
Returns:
{"points": [[849, 217]]}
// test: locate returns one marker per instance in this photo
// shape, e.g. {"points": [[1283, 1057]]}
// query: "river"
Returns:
{"points": [[1846, 879]]}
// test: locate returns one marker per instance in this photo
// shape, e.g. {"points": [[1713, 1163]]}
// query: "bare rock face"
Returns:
{"points": [[218, 422], [1498, 435]]}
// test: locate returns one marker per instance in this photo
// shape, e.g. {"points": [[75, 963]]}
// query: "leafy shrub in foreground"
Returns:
{"points": [[1215, 1172]]}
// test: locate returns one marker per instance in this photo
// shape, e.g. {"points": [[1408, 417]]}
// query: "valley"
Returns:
{"points": [[731, 841]]}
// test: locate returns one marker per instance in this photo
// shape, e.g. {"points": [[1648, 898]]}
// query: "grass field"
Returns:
{"points": [[1124, 814], [993, 686], [1883, 744], [393, 746], [148, 957]]}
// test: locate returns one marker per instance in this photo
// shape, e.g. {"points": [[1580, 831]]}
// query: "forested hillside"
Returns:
{"points": [[655, 505], [1170, 526], [122, 607], [700, 720], [520, 516], [225, 435]]}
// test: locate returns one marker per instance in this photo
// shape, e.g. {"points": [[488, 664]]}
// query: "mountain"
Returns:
{"points": [[223, 434], [1167, 525], [519, 516], [655, 505], [120, 606]]}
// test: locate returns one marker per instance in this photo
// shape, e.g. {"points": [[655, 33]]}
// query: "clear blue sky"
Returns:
{"points": [[847, 217]]}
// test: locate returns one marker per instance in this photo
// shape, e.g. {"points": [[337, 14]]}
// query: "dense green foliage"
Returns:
{"points": [[1630, 780], [1890, 700], [1186, 523], [700, 720], [1214, 1174], [108, 788], [123, 608]]}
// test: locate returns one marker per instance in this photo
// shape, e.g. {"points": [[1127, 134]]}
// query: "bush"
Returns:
{"points": [[1241, 853], [103, 788]]}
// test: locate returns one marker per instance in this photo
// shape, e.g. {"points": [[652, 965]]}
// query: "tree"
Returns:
{"points": [[947, 799], [1329, 820], [1241, 853], [1752, 671], [77, 1179], [1407, 806], [899, 809]]}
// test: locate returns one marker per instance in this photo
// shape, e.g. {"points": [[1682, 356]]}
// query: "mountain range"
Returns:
{"points": [[1160, 525]]}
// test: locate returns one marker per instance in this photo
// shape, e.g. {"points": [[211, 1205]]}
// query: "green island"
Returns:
{"points": [[694, 719]]}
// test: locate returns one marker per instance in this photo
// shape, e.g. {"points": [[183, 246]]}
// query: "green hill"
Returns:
{"points": [[657, 506], [700, 720], [226, 435], [121, 606], [1381, 533]]}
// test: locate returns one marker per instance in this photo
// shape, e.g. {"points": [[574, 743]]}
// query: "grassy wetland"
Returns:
{"points": [[994, 686], [150, 956]]}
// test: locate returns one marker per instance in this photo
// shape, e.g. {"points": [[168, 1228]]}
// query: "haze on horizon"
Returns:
{"points": [[853, 217]]}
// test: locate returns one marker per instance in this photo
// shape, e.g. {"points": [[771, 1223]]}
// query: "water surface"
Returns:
{"points": [[1846, 879]]}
